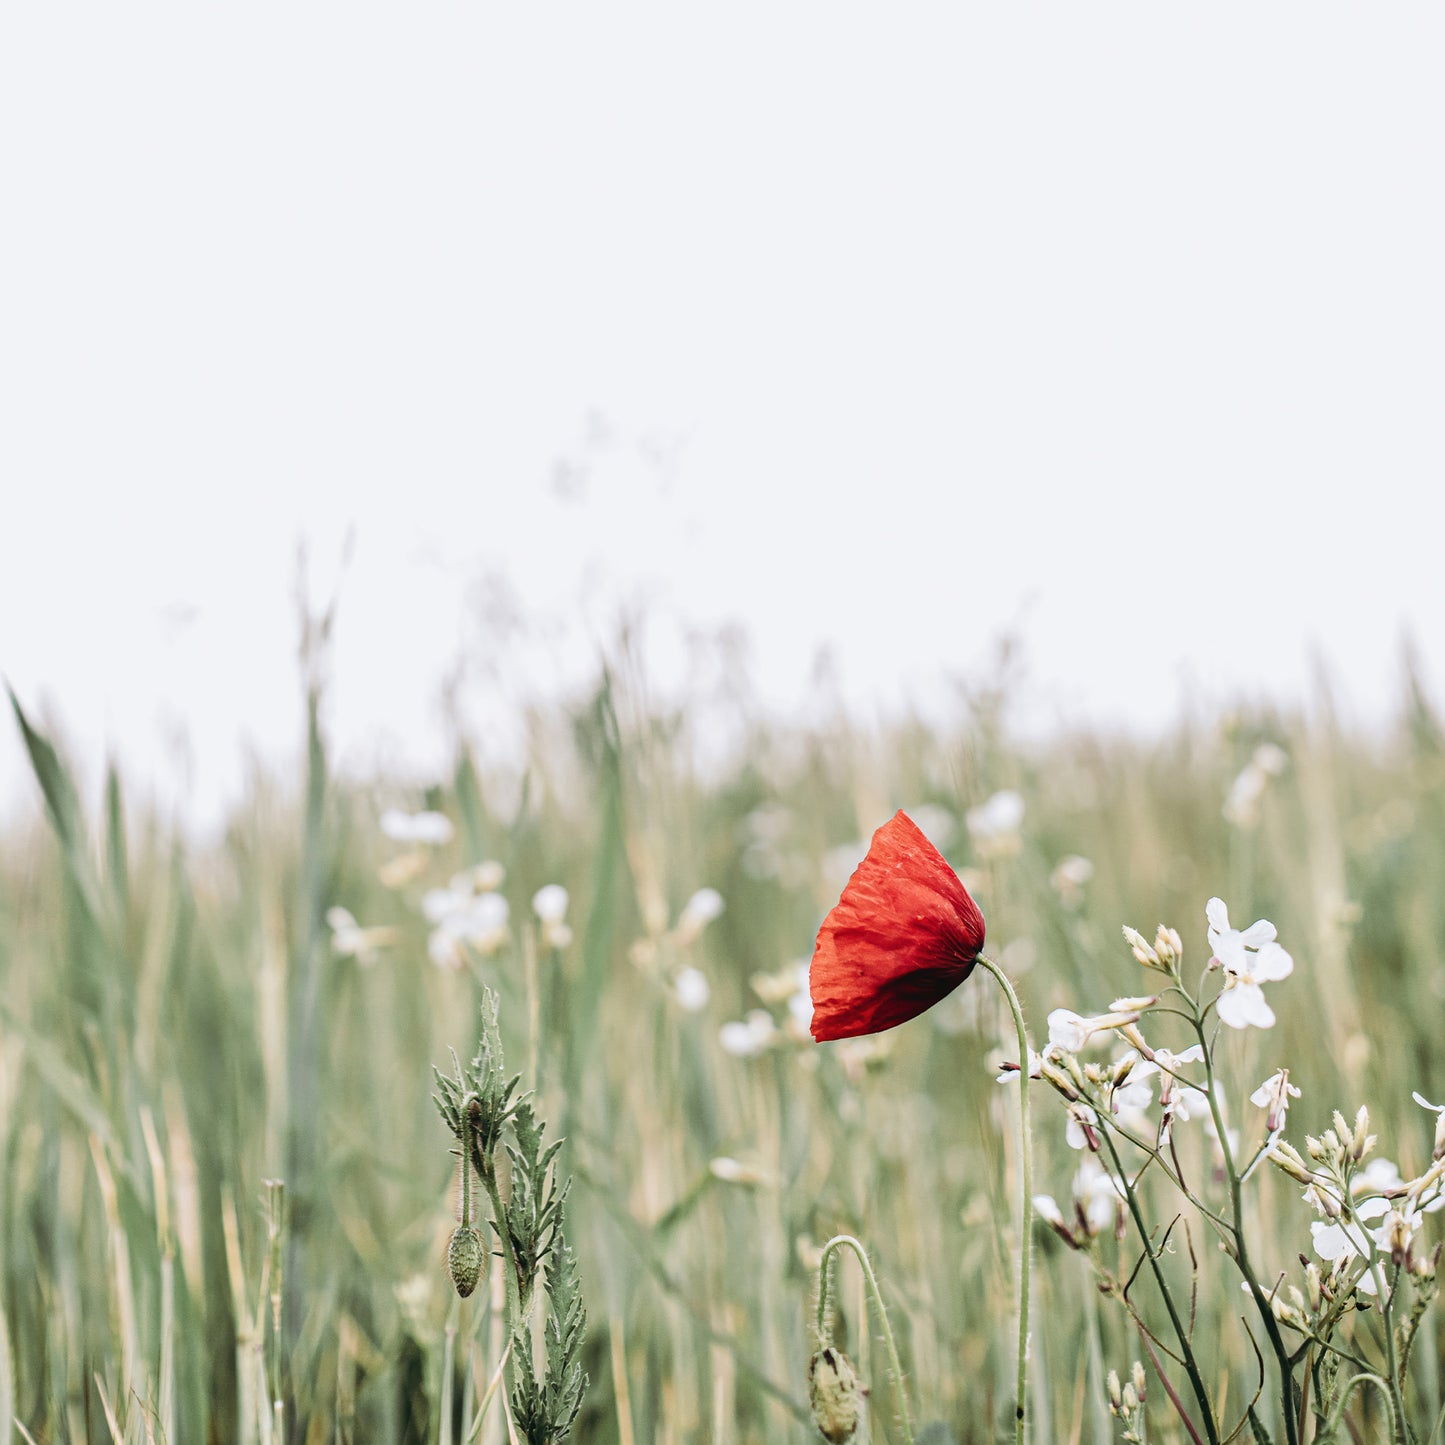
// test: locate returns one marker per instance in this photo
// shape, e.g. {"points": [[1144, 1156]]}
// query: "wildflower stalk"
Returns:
{"points": [[1239, 1249], [1191, 1365], [1392, 1367], [1026, 1195], [825, 1311]]}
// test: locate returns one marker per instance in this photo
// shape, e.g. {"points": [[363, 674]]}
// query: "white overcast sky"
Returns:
{"points": [[889, 328]]}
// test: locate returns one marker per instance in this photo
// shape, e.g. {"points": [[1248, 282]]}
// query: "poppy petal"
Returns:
{"points": [[904, 935]]}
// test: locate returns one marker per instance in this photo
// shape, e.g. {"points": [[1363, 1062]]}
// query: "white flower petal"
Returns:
{"points": [[1272, 964], [1260, 932], [1424, 1103], [1217, 914], [1066, 1030], [1047, 1208], [1244, 1006]]}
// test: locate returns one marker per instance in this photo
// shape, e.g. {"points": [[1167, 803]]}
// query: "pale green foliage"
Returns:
{"points": [[144, 972]]}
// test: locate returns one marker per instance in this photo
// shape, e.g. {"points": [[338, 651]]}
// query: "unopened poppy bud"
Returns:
{"points": [[1131, 1399], [465, 1257], [1140, 1379], [836, 1395]]}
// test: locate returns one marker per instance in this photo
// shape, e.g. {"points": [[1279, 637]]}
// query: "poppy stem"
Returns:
{"points": [[1026, 1195], [825, 1315]]}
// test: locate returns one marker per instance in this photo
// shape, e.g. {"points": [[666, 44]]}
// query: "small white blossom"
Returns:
{"points": [[1249, 958], [1071, 1031], [1010, 1074], [692, 990], [1098, 1195], [430, 828], [479, 923], [734, 1171], [350, 940], [549, 903], [748, 1038], [1274, 1094], [1047, 1209], [1081, 1130], [1069, 877], [1379, 1176], [699, 910]]}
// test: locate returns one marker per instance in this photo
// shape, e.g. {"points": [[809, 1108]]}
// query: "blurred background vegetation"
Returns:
{"points": [[180, 1023]]}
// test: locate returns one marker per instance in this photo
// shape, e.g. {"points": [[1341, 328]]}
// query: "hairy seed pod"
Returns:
{"points": [[835, 1394], [465, 1257]]}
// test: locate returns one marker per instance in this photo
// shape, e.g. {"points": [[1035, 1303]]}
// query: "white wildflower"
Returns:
{"points": [[692, 990], [1081, 1131], [1071, 1031], [430, 828], [1274, 1094], [479, 923], [1099, 1196], [748, 1038], [350, 940], [1249, 958], [1010, 1073], [549, 903], [1069, 877], [699, 910]]}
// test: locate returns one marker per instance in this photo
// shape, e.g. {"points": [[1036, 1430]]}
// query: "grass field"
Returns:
{"points": [[180, 1025]]}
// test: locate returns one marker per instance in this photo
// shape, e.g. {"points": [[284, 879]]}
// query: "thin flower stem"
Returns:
{"points": [[825, 1298], [1153, 1151], [1387, 1314], [1026, 1196], [1240, 1250], [1191, 1366]]}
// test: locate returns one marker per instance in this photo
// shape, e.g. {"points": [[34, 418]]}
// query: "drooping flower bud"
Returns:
{"points": [[465, 1258], [836, 1395]]}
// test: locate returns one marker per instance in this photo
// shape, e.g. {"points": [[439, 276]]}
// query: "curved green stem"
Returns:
{"points": [[1026, 1196], [825, 1333], [1332, 1425]]}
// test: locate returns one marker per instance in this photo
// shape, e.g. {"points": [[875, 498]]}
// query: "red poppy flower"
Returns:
{"points": [[904, 934]]}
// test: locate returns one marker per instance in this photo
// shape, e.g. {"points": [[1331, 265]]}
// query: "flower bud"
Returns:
{"points": [[835, 1394], [1140, 1379], [1170, 949], [1116, 1395], [1146, 955], [465, 1258]]}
